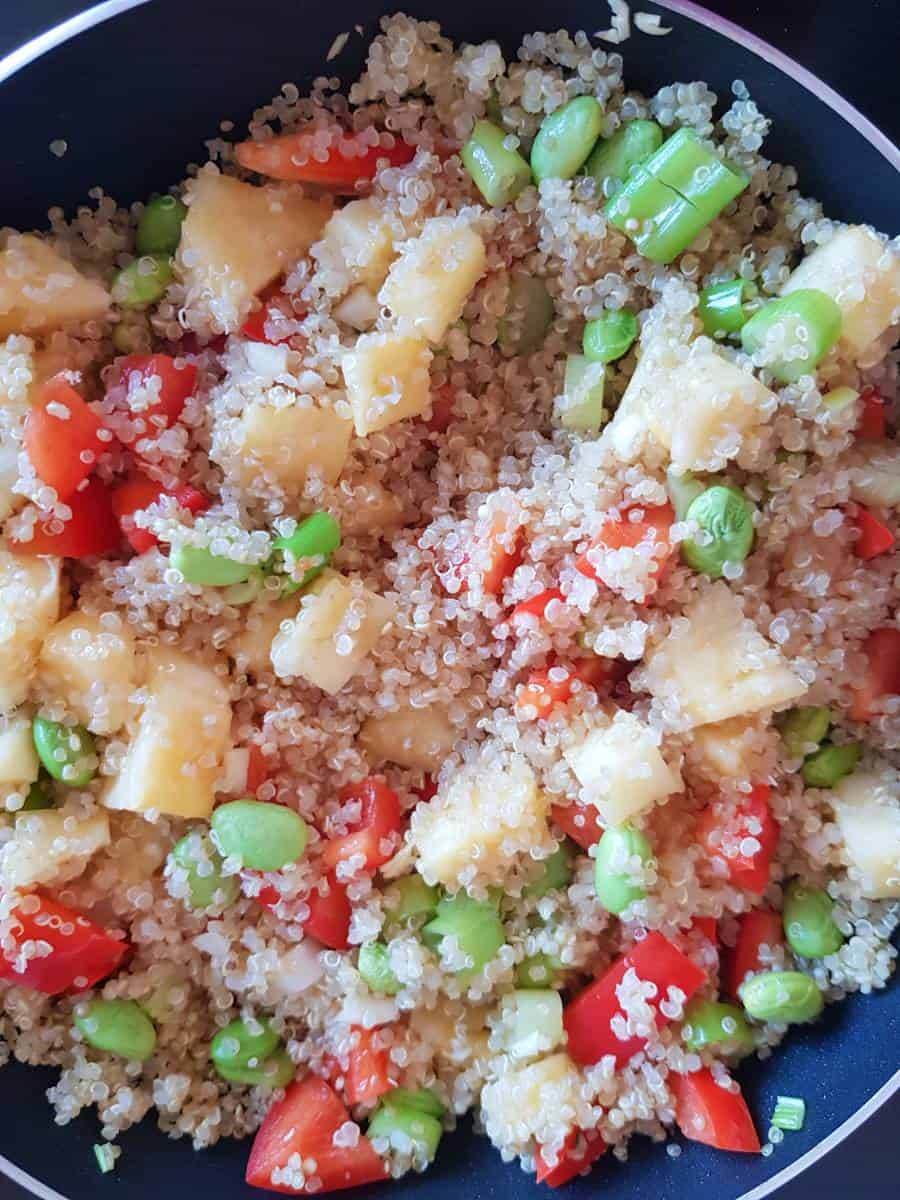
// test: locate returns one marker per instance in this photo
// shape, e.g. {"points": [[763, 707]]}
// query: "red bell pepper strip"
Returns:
{"points": [[348, 159], [176, 384], [580, 821], [588, 1018], [722, 829], [91, 530], [872, 423], [329, 915], [711, 1114], [874, 536], [376, 835], [138, 492], [616, 534], [368, 1073], [63, 437], [882, 674], [759, 927], [81, 953], [302, 1126], [580, 1151]]}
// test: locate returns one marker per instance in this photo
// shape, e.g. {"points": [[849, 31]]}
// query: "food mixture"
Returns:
{"points": [[449, 645]]}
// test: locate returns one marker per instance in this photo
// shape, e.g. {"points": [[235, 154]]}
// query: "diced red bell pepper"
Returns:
{"points": [[91, 530], [63, 449], [652, 528], [81, 952], [369, 1073], [535, 606], [874, 536], [428, 790], [708, 927], [272, 301], [711, 1114], [442, 402], [882, 675], [329, 915], [496, 555], [349, 160], [873, 420], [759, 927], [376, 835], [176, 384], [257, 769], [722, 828], [580, 821], [588, 1017], [542, 694], [581, 1150], [138, 492], [303, 1124]]}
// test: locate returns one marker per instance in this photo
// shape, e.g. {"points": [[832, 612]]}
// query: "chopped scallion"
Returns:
{"points": [[790, 1113]]}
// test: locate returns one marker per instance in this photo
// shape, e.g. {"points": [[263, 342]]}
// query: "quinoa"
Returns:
{"points": [[429, 668]]}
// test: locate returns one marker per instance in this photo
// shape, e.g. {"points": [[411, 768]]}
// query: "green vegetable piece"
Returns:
{"points": [[475, 924], [840, 398], [532, 1020], [538, 971], [566, 139], [725, 517], [610, 336], [792, 335], [808, 921], [712, 1023], [498, 172], [411, 897], [276, 1071], [106, 1158], [256, 1058], [683, 491], [39, 796], [119, 1027], [789, 1113], [131, 336], [613, 157], [722, 306], [830, 764], [66, 751], [390, 1120], [556, 872], [167, 997], [375, 967], [245, 592], [423, 1100], [614, 872], [782, 997], [529, 313], [314, 539], [264, 836], [207, 886], [198, 565], [581, 405], [159, 227], [802, 729], [143, 281]]}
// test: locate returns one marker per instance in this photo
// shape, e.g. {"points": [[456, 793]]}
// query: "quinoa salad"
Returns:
{"points": [[449, 635]]}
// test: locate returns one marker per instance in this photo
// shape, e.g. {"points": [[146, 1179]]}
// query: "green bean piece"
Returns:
{"points": [[276, 1071], [263, 836], [198, 565], [566, 139], [538, 971], [725, 517], [580, 408], [808, 918], [119, 1027], [723, 307], [616, 877], [499, 173], [711, 1023], [556, 872], [159, 227], [529, 314], [474, 924], [683, 491], [792, 335], [67, 751], [610, 336], [782, 997], [613, 157], [207, 886], [39, 797], [804, 728], [411, 897], [143, 281], [374, 966], [411, 1124], [314, 541], [830, 764]]}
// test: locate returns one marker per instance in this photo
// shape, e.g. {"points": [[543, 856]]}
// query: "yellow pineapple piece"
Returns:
{"points": [[729, 749], [51, 846], [373, 509], [357, 247], [289, 443], [387, 380], [877, 481], [251, 649], [19, 762], [41, 291], [29, 605], [410, 737], [540, 1101], [867, 810], [89, 662]]}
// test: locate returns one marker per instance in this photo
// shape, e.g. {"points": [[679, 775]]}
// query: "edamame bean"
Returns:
{"points": [[237, 1046], [474, 924], [375, 967], [67, 751], [119, 1027], [206, 885], [276, 1071], [159, 227], [830, 764], [712, 1023], [498, 172], [725, 517], [555, 873], [423, 1100], [198, 565], [39, 796], [143, 281], [264, 836], [802, 729], [411, 897], [610, 336], [782, 997], [809, 922], [616, 875], [613, 157], [529, 312], [316, 538], [566, 139]]}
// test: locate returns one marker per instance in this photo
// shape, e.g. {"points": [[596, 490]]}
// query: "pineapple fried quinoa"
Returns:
{"points": [[449, 651]]}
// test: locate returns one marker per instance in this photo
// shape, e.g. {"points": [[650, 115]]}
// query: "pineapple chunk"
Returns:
{"points": [[29, 605], [621, 768], [877, 482], [17, 372], [237, 238], [338, 624], [862, 275], [41, 291], [89, 662], [867, 811], [387, 380], [252, 648], [428, 285], [715, 663], [488, 811], [373, 509], [176, 756], [289, 443], [729, 749], [540, 1101], [18, 758], [357, 247], [410, 737], [455, 1033], [51, 847]]}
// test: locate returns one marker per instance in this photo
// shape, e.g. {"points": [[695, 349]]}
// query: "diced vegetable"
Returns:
{"points": [[410, 737], [873, 422], [41, 291], [782, 997], [329, 914], [613, 157], [207, 887], [138, 493], [723, 306], [723, 1027], [804, 728], [264, 836], [369, 1073], [396, 1125], [726, 533], [580, 821], [882, 674], [609, 337], [874, 537], [349, 158], [375, 967], [556, 872], [159, 227], [67, 752], [157, 387], [81, 952], [386, 375], [617, 874], [868, 815], [580, 1151], [535, 606], [410, 898], [118, 1027], [789, 1113], [92, 529], [199, 565], [645, 529], [566, 138], [546, 688], [716, 1115], [62, 437], [580, 407], [537, 971], [143, 282], [498, 172], [475, 927], [759, 933], [531, 1022], [255, 1058], [315, 538], [106, 1156], [529, 314], [829, 764], [274, 307], [375, 836], [792, 335], [743, 837], [809, 924]]}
